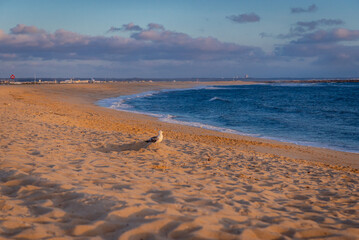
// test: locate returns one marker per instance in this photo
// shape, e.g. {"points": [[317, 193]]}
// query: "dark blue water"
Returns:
{"points": [[320, 114]]}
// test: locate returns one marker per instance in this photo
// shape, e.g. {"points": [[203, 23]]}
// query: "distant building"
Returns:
{"points": [[67, 81], [81, 81]]}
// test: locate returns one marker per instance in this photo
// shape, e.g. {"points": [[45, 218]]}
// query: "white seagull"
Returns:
{"points": [[156, 139]]}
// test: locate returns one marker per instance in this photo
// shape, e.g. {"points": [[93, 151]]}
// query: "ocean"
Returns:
{"points": [[312, 114]]}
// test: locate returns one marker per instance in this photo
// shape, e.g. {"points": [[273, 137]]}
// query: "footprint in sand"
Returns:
{"points": [[162, 196]]}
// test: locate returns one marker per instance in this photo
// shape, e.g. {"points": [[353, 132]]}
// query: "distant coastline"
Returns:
{"points": [[17, 81]]}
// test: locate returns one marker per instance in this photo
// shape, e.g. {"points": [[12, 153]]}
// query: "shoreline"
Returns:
{"points": [[163, 118], [92, 94], [72, 169]]}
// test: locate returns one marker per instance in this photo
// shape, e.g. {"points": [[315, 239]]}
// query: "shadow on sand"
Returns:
{"points": [[134, 146]]}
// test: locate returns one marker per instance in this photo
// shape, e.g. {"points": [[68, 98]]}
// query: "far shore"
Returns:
{"points": [[30, 81]]}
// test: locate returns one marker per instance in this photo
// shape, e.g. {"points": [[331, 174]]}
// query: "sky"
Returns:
{"points": [[179, 39]]}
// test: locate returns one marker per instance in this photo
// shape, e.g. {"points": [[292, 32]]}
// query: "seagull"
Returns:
{"points": [[156, 139]]}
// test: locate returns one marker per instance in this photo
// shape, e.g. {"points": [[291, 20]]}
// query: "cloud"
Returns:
{"points": [[23, 29], [311, 8], [330, 54], [126, 27], [131, 27], [157, 51], [333, 35], [325, 47], [136, 28], [152, 26], [311, 25], [153, 43], [114, 29], [300, 28], [244, 18]]}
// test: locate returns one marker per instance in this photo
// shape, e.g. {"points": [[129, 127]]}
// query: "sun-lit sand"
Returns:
{"points": [[71, 169]]}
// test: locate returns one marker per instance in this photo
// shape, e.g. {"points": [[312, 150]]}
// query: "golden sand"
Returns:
{"points": [[70, 169]]}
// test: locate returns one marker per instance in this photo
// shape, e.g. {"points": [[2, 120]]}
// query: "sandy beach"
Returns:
{"points": [[72, 170]]}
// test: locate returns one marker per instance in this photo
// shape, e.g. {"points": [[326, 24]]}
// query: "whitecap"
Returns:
{"points": [[218, 99]]}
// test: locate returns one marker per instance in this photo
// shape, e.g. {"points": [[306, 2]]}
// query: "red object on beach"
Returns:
{"points": [[12, 76]]}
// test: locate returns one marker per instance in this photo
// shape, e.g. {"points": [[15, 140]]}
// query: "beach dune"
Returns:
{"points": [[71, 169]]}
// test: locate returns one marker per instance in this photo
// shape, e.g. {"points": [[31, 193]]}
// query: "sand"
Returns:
{"points": [[73, 170]]}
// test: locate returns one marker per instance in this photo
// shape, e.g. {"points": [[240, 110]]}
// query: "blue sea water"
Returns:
{"points": [[313, 114]]}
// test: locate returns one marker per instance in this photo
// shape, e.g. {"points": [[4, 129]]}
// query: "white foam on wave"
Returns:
{"points": [[295, 84], [218, 88], [171, 119], [218, 99], [119, 102]]}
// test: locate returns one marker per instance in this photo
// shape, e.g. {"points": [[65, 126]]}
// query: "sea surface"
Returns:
{"points": [[312, 114]]}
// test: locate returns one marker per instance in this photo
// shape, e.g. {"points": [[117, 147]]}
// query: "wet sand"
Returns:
{"points": [[71, 169]]}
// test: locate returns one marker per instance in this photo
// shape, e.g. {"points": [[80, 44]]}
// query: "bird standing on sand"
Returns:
{"points": [[156, 139]]}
